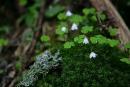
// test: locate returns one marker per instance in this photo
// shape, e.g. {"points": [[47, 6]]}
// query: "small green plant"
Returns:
{"points": [[79, 39], [18, 65], [53, 10], [3, 42], [87, 29], [62, 29], [76, 19], [62, 16], [45, 38], [125, 60], [23, 2], [103, 40], [113, 42], [89, 11], [112, 31], [68, 45], [127, 45]]}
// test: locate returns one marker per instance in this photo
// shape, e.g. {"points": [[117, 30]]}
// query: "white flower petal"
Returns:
{"points": [[85, 41], [74, 27], [63, 29], [92, 55], [68, 13]]}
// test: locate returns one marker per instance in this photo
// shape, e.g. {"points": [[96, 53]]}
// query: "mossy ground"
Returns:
{"points": [[78, 70]]}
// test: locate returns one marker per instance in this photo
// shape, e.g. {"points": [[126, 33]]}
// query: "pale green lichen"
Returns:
{"points": [[42, 65]]}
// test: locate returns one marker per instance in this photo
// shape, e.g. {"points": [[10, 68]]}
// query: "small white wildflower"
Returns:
{"points": [[68, 13], [63, 29], [92, 55], [85, 41], [74, 27]]}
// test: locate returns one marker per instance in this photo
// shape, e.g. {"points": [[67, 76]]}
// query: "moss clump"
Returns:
{"points": [[78, 70]]}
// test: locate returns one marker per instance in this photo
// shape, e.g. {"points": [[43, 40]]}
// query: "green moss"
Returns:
{"points": [[78, 70]]}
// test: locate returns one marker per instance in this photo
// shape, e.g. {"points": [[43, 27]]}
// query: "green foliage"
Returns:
{"points": [[127, 45], [79, 39], [62, 16], [23, 2], [3, 42], [87, 29], [76, 19], [98, 39], [103, 40], [59, 28], [4, 29], [68, 45], [53, 10], [78, 70], [113, 42], [18, 65], [125, 60], [89, 11], [45, 38], [112, 31], [102, 16]]}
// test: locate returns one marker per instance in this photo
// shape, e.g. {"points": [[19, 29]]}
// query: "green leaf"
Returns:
{"points": [[76, 19], [87, 29], [93, 18], [93, 40], [22, 2], [89, 11], [62, 16], [125, 60], [45, 38], [3, 42], [102, 16], [113, 43], [79, 39], [112, 31], [18, 65], [53, 11], [86, 11], [59, 29], [68, 45], [98, 39], [127, 45]]}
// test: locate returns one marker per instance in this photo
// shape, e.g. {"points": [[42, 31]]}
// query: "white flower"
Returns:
{"points": [[92, 55], [85, 41], [63, 29], [68, 13], [74, 27]]}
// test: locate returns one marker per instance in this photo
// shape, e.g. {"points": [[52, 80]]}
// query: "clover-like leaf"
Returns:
{"points": [[76, 19], [125, 60], [79, 39], [112, 31], [68, 45], [127, 45], [88, 11], [53, 10], [93, 40], [45, 38], [87, 29], [62, 16], [113, 42], [3, 42], [60, 31]]}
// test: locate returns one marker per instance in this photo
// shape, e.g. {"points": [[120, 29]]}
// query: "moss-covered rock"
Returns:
{"points": [[78, 70]]}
